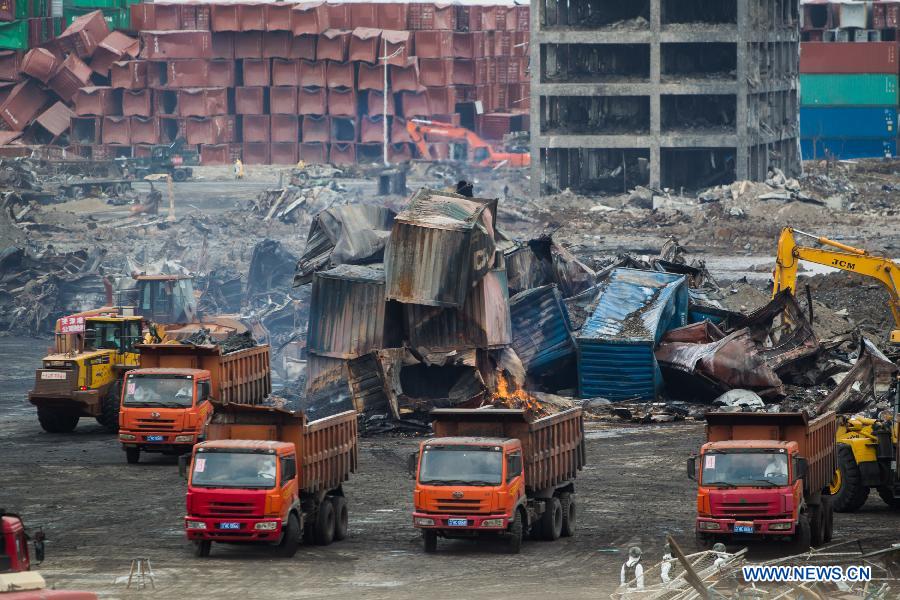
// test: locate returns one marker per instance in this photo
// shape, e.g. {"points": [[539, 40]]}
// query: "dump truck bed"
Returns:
{"points": [[326, 448], [816, 438], [553, 447], [240, 377]]}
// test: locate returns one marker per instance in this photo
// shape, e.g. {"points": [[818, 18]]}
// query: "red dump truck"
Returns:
{"points": [[765, 476], [168, 401], [493, 472], [267, 475]]}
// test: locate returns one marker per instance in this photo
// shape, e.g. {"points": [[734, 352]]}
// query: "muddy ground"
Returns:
{"points": [[99, 513]]}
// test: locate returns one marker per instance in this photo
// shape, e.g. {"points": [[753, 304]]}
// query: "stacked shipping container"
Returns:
{"points": [[848, 82], [24, 24]]}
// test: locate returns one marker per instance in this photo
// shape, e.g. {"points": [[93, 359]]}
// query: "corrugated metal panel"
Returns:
{"points": [[848, 122], [440, 245], [847, 148], [40, 63], [831, 57], [327, 386], [483, 322], [347, 312], [615, 346], [542, 333], [848, 90]]}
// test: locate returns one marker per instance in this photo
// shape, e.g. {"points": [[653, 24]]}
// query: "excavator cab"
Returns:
{"points": [[165, 299]]}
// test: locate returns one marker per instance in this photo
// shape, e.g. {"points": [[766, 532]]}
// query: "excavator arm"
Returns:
{"points": [[480, 152], [843, 257]]}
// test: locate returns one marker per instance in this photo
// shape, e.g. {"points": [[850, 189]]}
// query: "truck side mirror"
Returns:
{"points": [[692, 467], [183, 461], [412, 461], [800, 468]]}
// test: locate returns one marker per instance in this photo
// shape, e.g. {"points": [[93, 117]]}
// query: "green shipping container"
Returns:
{"points": [[14, 35], [848, 90], [116, 18], [95, 4]]}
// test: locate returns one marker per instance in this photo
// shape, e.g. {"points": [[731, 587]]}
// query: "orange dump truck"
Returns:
{"points": [[168, 401], [765, 476], [492, 472], [267, 475]]}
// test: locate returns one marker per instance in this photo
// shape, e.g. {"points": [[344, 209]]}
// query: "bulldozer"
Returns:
{"points": [[82, 375], [867, 448]]}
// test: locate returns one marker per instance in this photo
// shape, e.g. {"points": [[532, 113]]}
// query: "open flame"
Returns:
{"points": [[509, 395]]}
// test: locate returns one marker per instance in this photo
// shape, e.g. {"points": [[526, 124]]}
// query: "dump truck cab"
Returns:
{"points": [[469, 485], [765, 476], [81, 377], [241, 490], [164, 410]]}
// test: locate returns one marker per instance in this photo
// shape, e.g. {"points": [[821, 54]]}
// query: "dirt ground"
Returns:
{"points": [[99, 513]]}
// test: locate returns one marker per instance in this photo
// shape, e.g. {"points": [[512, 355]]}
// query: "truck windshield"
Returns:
{"points": [[234, 470], [461, 465], [173, 391], [764, 469]]}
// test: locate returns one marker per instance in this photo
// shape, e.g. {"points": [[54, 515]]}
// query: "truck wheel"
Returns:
{"points": [[109, 409], [325, 524], [551, 520], [202, 548], [816, 526], [132, 455], [340, 517], [287, 548], [828, 517], [55, 423], [887, 494], [803, 535], [429, 540], [568, 512], [848, 492], [179, 175], [516, 533]]}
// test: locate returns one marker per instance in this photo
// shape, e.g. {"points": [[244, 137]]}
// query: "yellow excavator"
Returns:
{"points": [[867, 449]]}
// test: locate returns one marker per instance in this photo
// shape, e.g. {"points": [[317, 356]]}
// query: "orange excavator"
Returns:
{"points": [[466, 145]]}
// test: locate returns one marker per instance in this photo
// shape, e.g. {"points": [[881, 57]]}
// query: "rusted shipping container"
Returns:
{"points": [[400, 152], [333, 44], [339, 75], [142, 17], [85, 130], [225, 17], [116, 130], [314, 153], [432, 16], [256, 153], [193, 73], [399, 47], [309, 18], [467, 44], [40, 63], [342, 102], [370, 77], [137, 103], [283, 101], [285, 128], [283, 153], [392, 15], [219, 154], [202, 102], [399, 133], [348, 313], [339, 15], [10, 61], [314, 73], [277, 44], [312, 101], [145, 130], [167, 17], [129, 75], [441, 100], [375, 103], [415, 104], [363, 14], [326, 448], [440, 72], [278, 17], [256, 72], [84, 34], [342, 154], [552, 447], [315, 128], [176, 44], [441, 245], [815, 438], [98, 101], [405, 79], [248, 44], [285, 72], [222, 45], [252, 17], [434, 44], [304, 46], [251, 100], [371, 130], [343, 129], [219, 129], [365, 44], [255, 128], [240, 377], [831, 57], [56, 119], [886, 14], [115, 47]]}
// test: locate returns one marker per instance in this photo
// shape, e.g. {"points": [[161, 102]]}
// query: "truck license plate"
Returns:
{"points": [[53, 375], [743, 527], [229, 525], [457, 522], [154, 438]]}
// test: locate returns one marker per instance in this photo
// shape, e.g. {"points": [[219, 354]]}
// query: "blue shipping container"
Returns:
{"points": [[616, 344], [848, 122], [542, 333], [847, 148]]}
